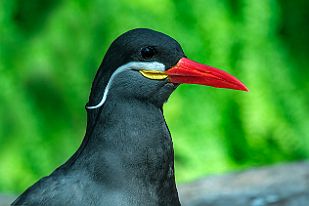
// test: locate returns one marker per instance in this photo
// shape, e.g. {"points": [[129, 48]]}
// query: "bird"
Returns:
{"points": [[127, 156]]}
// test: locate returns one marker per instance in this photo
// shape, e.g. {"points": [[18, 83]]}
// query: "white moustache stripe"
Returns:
{"points": [[129, 66]]}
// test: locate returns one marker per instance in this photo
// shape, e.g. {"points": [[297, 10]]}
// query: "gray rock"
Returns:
{"points": [[284, 185], [6, 199]]}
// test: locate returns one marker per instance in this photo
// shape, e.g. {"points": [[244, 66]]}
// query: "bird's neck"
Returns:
{"points": [[129, 145]]}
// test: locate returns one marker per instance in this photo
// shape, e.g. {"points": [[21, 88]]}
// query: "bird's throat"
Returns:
{"points": [[127, 147]]}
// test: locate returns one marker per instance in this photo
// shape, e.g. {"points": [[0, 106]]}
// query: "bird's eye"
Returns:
{"points": [[148, 52]]}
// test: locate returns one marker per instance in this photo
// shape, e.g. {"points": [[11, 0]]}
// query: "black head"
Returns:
{"points": [[132, 51]]}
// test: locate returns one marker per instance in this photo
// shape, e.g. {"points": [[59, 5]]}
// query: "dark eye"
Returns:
{"points": [[148, 52]]}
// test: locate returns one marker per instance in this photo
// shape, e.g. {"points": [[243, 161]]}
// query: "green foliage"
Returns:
{"points": [[50, 50]]}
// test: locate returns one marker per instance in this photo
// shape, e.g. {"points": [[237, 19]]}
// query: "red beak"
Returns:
{"points": [[190, 72]]}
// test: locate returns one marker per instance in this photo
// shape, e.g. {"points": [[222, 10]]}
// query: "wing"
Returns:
{"points": [[52, 191]]}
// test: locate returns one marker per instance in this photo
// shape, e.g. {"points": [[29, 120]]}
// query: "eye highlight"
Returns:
{"points": [[148, 52]]}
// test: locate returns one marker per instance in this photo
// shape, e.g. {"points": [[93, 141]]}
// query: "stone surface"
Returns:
{"points": [[6, 199], [284, 185]]}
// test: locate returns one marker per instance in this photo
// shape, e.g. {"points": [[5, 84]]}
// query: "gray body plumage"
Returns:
{"points": [[139, 172]]}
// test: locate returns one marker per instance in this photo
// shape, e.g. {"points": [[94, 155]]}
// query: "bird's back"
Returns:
{"points": [[57, 189]]}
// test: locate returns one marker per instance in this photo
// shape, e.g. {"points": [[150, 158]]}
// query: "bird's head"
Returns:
{"points": [[148, 65]]}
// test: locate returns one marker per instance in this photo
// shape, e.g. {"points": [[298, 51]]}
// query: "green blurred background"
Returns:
{"points": [[50, 51]]}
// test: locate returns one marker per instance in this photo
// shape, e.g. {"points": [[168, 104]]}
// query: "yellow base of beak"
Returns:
{"points": [[153, 74]]}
